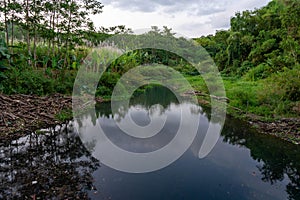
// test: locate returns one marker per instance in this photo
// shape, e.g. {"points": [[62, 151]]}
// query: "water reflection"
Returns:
{"points": [[243, 164], [165, 119], [136, 149], [278, 161], [52, 165]]}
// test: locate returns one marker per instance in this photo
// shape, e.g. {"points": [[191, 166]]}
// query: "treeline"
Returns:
{"points": [[267, 39], [43, 42], [55, 21], [259, 58], [60, 25]]}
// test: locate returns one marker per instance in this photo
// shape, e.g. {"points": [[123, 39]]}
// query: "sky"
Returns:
{"points": [[190, 18]]}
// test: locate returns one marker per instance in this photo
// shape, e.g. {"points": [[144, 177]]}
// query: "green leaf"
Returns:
{"points": [[74, 65], [2, 76]]}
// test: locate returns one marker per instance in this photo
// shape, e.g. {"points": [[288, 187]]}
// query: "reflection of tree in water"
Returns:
{"points": [[155, 95], [53, 165], [278, 158], [147, 100], [152, 96]]}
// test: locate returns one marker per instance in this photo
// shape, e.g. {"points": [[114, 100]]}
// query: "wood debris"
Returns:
{"points": [[21, 114]]}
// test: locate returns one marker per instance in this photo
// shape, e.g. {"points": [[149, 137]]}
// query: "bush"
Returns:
{"points": [[259, 72], [243, 96], [285, 85], [246, 66], [107, 83], [37, 82], [281, 91]]}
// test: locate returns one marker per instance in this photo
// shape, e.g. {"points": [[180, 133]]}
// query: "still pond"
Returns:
{"points": [[55, 164]]}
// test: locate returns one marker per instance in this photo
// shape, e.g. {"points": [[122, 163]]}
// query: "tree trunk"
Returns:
{"points": [[5, 22], [12, 27], [34, 47], [68, 33], [12, 31], [35, 35], [28, 31], [53, 27], [49, 38], [58, 31]]}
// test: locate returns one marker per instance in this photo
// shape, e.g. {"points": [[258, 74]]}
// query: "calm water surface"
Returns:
{"points": [[243, 164]]}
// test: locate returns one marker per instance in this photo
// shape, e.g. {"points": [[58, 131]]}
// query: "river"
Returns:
{"points": [[62, 162]]}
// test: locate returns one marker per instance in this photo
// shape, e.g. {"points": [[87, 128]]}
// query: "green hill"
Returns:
{"points": [[259, 58]]}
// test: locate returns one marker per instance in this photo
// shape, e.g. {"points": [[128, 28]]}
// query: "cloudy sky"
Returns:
{"points": [[191, 18]]}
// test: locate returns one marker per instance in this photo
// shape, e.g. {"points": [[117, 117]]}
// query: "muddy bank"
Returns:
{"points": [[285, 128], [22, 114]]}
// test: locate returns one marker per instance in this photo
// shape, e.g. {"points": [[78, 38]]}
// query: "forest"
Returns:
{"points": [[45, 39], [44, 42], [259, 58]]}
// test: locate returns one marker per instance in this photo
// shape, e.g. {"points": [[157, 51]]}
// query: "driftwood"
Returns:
{"points": [[198, 93], [21, 113]]}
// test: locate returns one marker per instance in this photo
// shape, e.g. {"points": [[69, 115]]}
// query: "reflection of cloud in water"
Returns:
{"points": [[172, 115], [142, 123]]}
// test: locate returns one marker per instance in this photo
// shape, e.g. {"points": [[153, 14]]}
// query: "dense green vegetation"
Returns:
{"points": [[42, 46], [43, 42], [259, 58]]}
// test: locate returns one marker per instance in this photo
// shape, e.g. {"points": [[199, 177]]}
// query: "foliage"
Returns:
{"points": [[283, 86], [47, 31], [267, 35], [263, 47], [106, 84], [4, 58], [38, 82], [261, 71], [45, 42], [64, 115]]}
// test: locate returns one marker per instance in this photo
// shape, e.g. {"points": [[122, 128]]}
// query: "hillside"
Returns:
{"points": [[259, 58]]}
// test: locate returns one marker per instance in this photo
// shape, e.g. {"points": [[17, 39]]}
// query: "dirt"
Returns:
{"points": [[22, 114], [285, 128]]}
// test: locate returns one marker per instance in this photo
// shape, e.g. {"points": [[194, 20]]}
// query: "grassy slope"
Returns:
{"points": [[248, 97]]}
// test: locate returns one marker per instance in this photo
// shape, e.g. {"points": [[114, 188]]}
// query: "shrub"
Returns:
{"points": [[259, 72], [36, 82], [246, 66], [286, 85], [281, 91]]}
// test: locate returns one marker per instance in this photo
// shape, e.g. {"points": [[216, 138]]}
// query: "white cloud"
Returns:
{"points": [[192, 18]]}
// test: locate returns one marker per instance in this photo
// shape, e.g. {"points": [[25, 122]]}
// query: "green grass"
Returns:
{"points": [[64, 115], [251, 97]]}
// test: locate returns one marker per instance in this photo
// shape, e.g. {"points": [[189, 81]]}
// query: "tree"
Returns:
{"points": [[4, 13]]}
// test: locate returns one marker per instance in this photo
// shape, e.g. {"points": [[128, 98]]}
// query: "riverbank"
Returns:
{"points": [[285, 128], [23, 114]]}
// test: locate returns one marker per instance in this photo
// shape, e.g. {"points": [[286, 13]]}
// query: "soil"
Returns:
{"points": [[22, 114], [285, 128]]}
